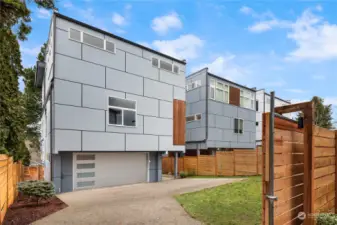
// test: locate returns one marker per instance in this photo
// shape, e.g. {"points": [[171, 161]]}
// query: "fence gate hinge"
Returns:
{"points": [[271, 197]]}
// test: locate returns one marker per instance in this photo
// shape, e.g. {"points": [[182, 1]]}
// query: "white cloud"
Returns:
{"points": [[330, 101], [68, 5], [161, 25], [318, 77], [315, 38], [43, 13], [295, 90], [246, 10], [30, 51], [118, 19], [224, 66], [185, 47]]}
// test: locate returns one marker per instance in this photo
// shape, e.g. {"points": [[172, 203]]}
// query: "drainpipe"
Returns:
{"points": [[175, 164], [270, 195]]}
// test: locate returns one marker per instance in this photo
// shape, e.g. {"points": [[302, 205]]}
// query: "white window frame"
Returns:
{"points": [[239, 126], [159, 60], [214, 86], [81, 41], [250, 99], [121, 108], [194, 117]]}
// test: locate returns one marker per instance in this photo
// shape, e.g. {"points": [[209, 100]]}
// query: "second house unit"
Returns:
{"points": [[220, 114]]}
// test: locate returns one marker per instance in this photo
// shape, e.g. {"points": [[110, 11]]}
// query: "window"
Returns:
{"points": [[219, 91], [86, 174], [75, 34], [161, 64], [155, 62], [238, 126], [85, 183], [192, 85], [109, 46], [86, 166], [257, 123], [92, 40], [193, 117], [257, 105], [247, 99], [122, 112]]}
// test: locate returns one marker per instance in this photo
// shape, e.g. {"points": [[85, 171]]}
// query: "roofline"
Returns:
{"points": [[205, 68], [231, 82], [279, 98], [117, 37]]}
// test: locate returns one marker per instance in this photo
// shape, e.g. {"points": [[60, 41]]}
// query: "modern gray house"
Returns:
{"points": [[111, 108], [220, 114]]}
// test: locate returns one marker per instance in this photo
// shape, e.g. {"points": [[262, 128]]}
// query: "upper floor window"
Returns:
{"points": [[192, 85], [247, 99], [91, 40], [193, 117], [219, 91], [238, 126], [122, 112], [161, 64]]}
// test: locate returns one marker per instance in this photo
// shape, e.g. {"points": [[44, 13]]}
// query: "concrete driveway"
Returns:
{"points": [[148, 203]]}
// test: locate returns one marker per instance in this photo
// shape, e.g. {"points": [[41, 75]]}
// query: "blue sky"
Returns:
{"points": [[286, 46]]}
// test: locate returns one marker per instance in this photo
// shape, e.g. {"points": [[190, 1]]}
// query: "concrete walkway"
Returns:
{"points": [[150, 203]]}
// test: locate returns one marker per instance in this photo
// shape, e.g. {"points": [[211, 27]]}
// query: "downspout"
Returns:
{"points": [[51, 99], [206, 113]]}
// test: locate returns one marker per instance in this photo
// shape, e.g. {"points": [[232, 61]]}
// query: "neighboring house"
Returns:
{"points": [[220, 114], [262, 106], [35, 154], [111, 108]]}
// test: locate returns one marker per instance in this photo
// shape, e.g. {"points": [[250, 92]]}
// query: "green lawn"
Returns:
{"points": [[230, 204]]}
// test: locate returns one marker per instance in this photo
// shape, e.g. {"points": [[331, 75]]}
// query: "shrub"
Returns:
{"points": [[36, 188], [183, 174], [327, 219]]}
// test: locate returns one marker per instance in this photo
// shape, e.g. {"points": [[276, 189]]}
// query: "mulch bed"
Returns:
{"points": [[25, 211]]}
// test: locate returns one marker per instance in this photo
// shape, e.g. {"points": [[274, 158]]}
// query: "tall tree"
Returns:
{"points": [[14, 26], [323, 113]]}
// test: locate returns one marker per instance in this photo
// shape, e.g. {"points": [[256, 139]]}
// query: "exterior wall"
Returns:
{"points": [[221, 124], [264, 106], [84, 78], [196, 104]]}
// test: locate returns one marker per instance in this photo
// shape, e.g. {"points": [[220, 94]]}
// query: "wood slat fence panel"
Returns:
{"points": [[229, 163], [10, 175]]}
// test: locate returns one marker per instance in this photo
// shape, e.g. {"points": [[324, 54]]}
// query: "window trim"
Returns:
{"points": [[81, 41], [239, 125], [250, 100], [223, 90], [158, 67], [121, 108], [194, 117]]}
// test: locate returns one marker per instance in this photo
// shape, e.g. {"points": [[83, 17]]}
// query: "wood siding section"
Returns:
{"points": [[234, 96], [179, 121]]}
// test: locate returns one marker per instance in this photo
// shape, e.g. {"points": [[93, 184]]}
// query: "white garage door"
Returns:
{"points": [[92, 170]]}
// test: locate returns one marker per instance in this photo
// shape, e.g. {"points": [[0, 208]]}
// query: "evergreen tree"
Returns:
{"points": [[323, 113], [14, 26]]}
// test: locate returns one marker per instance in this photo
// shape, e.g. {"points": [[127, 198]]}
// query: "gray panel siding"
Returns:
{"points": [[155, 167], [84, 78]]}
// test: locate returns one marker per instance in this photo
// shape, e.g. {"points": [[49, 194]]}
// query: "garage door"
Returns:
{"points": [[93, 170]]}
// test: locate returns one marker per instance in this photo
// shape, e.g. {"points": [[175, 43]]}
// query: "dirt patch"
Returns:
{"points": [[25, 211]]}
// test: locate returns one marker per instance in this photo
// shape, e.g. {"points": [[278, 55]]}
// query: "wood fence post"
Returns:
{"points": [[197, 165], [257, 160], [335, 171], [234, 162], [216, 165], [7, 201]]}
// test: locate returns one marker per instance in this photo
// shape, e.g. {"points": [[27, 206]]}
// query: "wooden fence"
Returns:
{"points": [[10, 175], [231, 163], [304, 171]]}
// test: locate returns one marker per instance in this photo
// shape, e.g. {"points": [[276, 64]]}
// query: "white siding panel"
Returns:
{"points": [[100, 141], [136, 142]]}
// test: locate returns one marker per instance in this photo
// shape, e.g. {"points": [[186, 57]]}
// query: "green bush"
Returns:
{"points": [[36, 188], [327, 219], [183, 174]]}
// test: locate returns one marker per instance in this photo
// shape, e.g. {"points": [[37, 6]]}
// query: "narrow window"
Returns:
{"points": [[109, 46], [165, 65], [155, 62], [85, 174], [212, 90], [189, 118], [92, 40], [85, 157], [238, 126], [257, 123], [198, 117], [175, 69], [193, 117], [86, 166], [122, 112], [257, 105], [85, 183], [74, 34]]}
